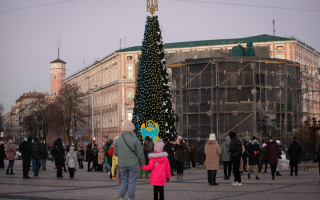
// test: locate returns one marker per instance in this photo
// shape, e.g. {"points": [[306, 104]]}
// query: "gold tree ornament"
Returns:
{"points": [[152, 6]]}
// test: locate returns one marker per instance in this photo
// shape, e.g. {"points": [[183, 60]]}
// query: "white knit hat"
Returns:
{"points": [[128, 126], [264, 144], [212, 136], [278, 141]]}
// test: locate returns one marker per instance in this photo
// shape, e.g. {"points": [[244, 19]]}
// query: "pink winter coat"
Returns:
{"points": [[11, 151], [160, 168]]}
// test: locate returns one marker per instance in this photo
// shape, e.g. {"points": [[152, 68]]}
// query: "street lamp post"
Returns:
{"points": [[92, 92]]}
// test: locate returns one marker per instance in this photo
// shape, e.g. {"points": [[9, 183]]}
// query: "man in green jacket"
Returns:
{"points": [[129, 151]]}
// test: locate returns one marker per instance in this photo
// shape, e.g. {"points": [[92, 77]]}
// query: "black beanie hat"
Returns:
{"points": [[254, 137], [270, 137], [232, 134]]}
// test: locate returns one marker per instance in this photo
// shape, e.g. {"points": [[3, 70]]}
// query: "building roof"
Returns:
{"points": [[58, 61], [257, 38]]}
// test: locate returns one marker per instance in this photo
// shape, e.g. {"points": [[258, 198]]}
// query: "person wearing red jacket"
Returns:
{"points": [[161, 173], [272, 154]]}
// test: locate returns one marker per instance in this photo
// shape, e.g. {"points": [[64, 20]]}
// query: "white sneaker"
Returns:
{"points": [[239, 184], [234, 183]]}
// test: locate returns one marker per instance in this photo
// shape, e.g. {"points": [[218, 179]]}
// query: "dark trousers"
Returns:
{"points": [[80, 163], [59, 169], [193, 163], [236, 170], [100, 168], [89, 165], [273, 168], [227, 164], [26, 165], [171, 166], [263, 162], [64, 166], [71, 171], [160, 190], [244, 161], [295, 164], [179, 168], [1, 162]]}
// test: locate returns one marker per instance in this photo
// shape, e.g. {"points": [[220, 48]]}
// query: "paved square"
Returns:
{"points": [[97, 185]]}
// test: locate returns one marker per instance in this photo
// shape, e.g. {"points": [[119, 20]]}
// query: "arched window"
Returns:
{"points": [[130, 95]]}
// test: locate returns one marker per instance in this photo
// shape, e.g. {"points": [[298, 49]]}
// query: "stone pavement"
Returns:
{"points": [[97, 185]]}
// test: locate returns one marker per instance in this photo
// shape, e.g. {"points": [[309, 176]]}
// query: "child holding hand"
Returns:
{"points": [[160, 170]]}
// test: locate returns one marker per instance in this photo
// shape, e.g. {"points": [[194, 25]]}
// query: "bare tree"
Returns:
{"points": [[67, 111]]}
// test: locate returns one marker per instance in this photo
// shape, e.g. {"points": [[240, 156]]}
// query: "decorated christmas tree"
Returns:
{"points": [[153, 112]]}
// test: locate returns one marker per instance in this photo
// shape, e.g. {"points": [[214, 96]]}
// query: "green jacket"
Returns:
{"points": [[109, 159], [126, 157]]}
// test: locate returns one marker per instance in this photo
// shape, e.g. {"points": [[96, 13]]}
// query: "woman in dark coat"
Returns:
{"points": [[2, 155], [272, 155], [192, 156], [254, 157], [58, 152], [44, 156], [294, 151], [180, 154], [89, 156]]}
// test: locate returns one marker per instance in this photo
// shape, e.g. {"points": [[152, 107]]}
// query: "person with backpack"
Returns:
{"points": [[89, 155], [226, 158], [114, 158], [129, 151], [235, 148], [108, 159], [80, 158], [26, 150], [160, 167], [11, 151]]}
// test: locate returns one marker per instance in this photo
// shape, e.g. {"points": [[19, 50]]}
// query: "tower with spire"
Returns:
{"points": [[57, 72]]}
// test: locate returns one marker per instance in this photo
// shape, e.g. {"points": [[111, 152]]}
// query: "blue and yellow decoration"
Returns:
{"points": [[152, 130]]}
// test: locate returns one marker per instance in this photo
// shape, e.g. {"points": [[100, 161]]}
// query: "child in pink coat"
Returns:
{"points": [[160, 170]]}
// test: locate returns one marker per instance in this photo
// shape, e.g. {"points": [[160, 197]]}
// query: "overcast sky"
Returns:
{"points": [[92, 28]]}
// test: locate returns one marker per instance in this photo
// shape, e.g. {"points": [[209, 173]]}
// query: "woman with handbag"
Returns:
{"points": [[129, 151], [58, 152]]}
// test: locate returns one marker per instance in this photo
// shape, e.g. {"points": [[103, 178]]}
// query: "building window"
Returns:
{"points": [[129, 57], [54, 93], [130, 72], [54, 77], [130, 95], [280, 56], [279, 48], [129, 116]]}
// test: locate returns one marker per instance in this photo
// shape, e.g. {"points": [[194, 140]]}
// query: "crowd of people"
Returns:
{"points": [[127, 160]]}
